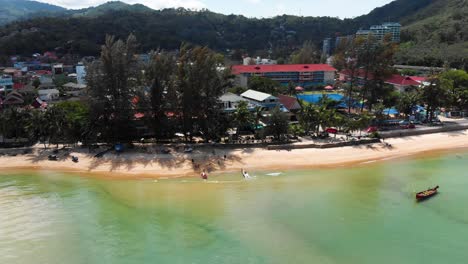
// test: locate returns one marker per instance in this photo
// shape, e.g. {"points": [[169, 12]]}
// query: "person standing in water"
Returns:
{"points": [[245, 174], [204, 175]]}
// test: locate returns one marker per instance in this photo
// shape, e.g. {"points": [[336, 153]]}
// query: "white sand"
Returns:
{"points": [[134, 165]]}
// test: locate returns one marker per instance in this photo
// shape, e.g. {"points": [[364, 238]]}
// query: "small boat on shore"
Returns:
{"points": [[427, 194]]}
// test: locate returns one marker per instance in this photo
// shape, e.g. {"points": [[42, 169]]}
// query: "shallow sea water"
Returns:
{"points": [[363, 214]]}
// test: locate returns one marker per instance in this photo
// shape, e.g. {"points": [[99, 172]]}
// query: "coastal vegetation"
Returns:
{"points": [[179, 94], [433, 33]]}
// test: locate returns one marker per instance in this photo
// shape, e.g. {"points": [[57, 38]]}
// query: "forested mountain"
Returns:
{"points": [[434, 31], [83, 31], [437, 33], [166, 29], [108, 7], [400, 10], [12, 10]]}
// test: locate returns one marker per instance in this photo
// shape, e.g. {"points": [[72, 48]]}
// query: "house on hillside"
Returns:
{"points": [[49, 95], [74, 89], [13, 98], [6, 84], [261, 99]]}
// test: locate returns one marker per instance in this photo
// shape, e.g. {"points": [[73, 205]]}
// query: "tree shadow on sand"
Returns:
{"points": [[199, 160]]}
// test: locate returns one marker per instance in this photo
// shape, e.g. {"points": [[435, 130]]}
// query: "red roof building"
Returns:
{"points": [[289, 103], [400, 82], [299, 74]]}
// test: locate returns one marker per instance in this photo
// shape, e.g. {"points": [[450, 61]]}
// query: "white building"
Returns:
{"points": [[49, 95], [80, 73], [75, 89], [261, 99], [231, 101], [259, 61]]}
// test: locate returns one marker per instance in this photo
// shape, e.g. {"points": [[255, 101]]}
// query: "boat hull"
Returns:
{"points": [[427, 194]]}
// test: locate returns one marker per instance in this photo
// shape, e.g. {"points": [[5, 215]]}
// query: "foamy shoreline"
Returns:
{"points": [[136, 165]]}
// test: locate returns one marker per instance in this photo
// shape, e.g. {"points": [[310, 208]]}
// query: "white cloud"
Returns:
{"points": [[155, 4]]}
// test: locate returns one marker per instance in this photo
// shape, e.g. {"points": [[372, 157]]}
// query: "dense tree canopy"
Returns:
{"points": [[434, 31]]}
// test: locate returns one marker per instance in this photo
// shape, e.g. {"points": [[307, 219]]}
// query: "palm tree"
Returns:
{"points": [[309, 117], [258, 111], [3, 125], [242, 116], [37, 126], [12, 123], [55, 123]]}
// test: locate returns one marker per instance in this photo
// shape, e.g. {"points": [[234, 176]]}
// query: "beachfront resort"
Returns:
{"points": [[257, 133], [189, 111]]}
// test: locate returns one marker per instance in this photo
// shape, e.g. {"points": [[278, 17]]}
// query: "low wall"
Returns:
{"points": [[15, 150], [325, 146], [418, 132]]}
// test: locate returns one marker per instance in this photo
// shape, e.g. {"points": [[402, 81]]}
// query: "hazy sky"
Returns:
{"points": [[252, 8]]}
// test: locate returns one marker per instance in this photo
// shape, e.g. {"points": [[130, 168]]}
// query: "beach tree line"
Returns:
{"points": [[368, 62], [177, 94], [172, 94]]}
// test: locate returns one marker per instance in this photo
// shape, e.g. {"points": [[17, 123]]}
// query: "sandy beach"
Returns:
{"points": [[179, 164]]}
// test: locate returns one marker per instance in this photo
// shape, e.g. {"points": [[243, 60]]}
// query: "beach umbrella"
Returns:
{"points": [[329, 87], [299, 89], [119, 147], [179, 135], [391, 111]]}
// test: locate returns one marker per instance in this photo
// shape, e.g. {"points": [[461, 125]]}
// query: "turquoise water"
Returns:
{"points": [[365, 214]]}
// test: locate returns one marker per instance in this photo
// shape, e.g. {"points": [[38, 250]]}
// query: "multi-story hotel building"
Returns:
{"points": [[305, 75], [380, 31]]}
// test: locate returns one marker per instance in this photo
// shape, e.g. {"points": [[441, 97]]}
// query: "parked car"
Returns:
{"points": [[372, 129], [407, 124]]}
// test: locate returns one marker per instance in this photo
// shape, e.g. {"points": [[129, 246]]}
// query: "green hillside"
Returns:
{"points": [[85, 29], [434, 31], [400, 10], [12, 10], [436, 34], [108, 7]]}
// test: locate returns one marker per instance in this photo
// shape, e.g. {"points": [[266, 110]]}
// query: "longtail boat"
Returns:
{"points": [[426, 194]]}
